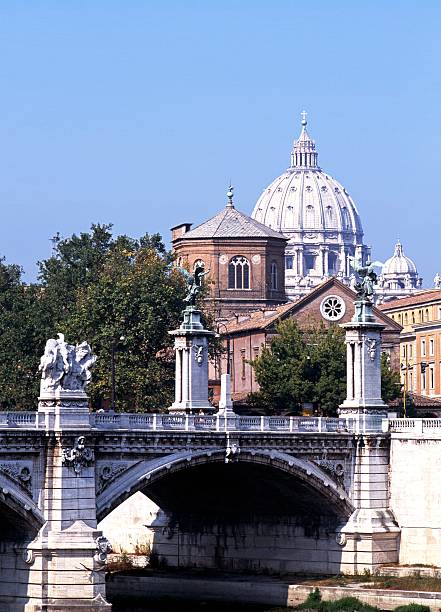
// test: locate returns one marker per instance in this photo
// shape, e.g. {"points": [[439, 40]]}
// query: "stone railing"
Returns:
{"points": [[22, 420], [187, 422], [414, 425]]}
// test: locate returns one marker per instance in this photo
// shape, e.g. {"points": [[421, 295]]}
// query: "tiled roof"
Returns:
{"points": [[422, 401], [230, 223], [418, 299], [261, 319]]}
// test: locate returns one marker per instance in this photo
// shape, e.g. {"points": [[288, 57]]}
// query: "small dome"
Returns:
{"points": [[399, 263]]}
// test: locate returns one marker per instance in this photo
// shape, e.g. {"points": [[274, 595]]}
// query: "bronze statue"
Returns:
{"points": [[194, 283]]}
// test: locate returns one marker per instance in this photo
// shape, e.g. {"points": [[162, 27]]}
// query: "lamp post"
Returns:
{"points": [[113, 347]]}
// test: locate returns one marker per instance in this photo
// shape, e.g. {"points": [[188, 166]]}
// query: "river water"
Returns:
{"points": [[172, 605]]}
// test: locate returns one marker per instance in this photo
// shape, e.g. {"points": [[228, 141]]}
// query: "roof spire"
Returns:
{"points": [[303, 154], [230, 194]]}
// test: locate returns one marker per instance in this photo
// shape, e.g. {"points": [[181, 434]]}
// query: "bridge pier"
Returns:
{"points": [[371, 536], [67, 558]]}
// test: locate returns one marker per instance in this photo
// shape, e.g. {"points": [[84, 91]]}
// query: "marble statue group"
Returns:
{"points": [[65, 366]]}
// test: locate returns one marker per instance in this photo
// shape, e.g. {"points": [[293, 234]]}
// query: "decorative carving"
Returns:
{"points": [[199, 353], [231, 450], [340, 538], [103, 548], [28, 557], [18, 472], [255, 259], [335, 469], [108, 473], [371, 347], [65, 366], [223, 259], [79, 456]]}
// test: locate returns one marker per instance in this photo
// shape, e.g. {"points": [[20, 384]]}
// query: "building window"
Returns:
{"points": [[410, 350], [405, 319], [274, 279], [332, 308], [243, 361], [423, 348], [431, 377], [255, 352], [332, 263], [427, 314], [289, 262], [431, 347], [309, 262], [423, 381], [410, 380], [239, 273], [413, 316], [309, 216]]}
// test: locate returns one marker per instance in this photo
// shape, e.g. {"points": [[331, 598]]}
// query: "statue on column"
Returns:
{"points": [[368, 278]]}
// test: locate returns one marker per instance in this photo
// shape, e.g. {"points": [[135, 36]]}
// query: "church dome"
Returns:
{"points": [[399, 264], [305, 198], [317, 215]]}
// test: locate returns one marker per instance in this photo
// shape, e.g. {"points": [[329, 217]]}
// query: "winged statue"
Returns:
{"points": [[194, 283], [365, 288]]}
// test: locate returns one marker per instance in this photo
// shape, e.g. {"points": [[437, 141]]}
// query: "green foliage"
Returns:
{"points": [[309, 365], [346, 604], [302, 365], [412, 608], [118, 293], [390, 380]]}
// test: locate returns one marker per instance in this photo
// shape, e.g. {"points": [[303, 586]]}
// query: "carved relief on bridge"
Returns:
{"points": [[20, 472]]}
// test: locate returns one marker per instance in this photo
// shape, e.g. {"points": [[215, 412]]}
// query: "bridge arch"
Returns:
{"points": [[19, 513], [145, 473]]}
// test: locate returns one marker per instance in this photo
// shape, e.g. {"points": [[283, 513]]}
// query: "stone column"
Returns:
{"points": [[370, 537], [67, 558], [191, 388]]}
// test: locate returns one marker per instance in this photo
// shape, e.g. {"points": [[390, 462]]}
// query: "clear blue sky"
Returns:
{"points": [[139, 112]]}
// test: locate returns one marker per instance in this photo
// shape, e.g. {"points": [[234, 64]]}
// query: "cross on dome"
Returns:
{"points": [[304, 116]]}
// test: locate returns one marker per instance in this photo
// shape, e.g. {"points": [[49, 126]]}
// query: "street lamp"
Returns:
{"points": [[113, 347]]}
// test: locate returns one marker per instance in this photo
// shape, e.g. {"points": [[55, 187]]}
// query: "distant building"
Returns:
{"points": [[330, 303], [420, 340], [245, 259]]}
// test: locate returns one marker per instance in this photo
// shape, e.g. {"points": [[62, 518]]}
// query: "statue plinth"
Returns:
{"points": [[64, 409], [191, 348]]}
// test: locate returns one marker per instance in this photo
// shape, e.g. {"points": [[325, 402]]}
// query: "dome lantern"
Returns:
{"points": [[303, 154]]}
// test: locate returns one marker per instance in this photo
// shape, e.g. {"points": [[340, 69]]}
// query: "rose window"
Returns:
{"points": [[332, 308]]}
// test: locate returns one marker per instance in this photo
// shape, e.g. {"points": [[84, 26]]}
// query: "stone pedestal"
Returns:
{"points": [[67, 558], [371, 535], [64, 409], [191, 347]]}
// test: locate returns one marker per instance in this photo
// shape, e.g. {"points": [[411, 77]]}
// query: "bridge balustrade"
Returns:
{"points": [[25, 420]]}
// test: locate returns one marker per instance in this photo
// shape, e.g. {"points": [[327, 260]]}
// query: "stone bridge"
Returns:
{"points": [[287, 494]]}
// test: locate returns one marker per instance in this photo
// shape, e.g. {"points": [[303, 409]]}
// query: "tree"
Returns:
{"points": [[24, 324], [98, 288], [134, 301], [302, 365], [390, 380], [309, 365]]}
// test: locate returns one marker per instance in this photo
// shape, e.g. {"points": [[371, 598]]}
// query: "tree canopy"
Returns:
{"points": [[308, 365], [118, 293]]}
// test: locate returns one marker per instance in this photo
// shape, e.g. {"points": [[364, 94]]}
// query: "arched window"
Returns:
{"points": [[274, 279], [239, 273]]}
